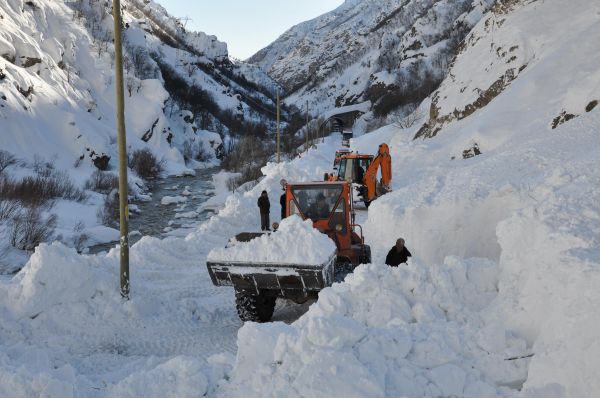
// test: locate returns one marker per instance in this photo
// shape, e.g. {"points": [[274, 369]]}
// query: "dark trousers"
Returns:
{"points": [[264, 221]]}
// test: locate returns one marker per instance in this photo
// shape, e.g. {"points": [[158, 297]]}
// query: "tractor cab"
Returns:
{"points": [[330, 207], [352, 167], [362, 170], [338, 156]]}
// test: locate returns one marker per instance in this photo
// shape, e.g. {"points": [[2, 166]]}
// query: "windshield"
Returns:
{"points": [[345, 170], [316, 202]]}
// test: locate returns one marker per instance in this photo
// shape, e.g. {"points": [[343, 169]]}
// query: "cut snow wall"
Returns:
{"points": [[460, 227]]}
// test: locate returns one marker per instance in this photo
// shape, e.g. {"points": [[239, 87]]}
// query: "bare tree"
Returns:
{"points": [[132, 83], [6, 159], [404, 121], [30, 228]]}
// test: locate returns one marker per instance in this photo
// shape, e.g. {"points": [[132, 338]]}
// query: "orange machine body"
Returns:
{"points": [[330, 207], [362, 169]]}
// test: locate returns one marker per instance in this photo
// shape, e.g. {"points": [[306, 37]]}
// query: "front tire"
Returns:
{"points": [[254, 308], [366, 256]]}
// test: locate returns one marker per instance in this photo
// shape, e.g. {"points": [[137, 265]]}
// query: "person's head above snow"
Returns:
{"points": [[400, 243], [263, 193]]}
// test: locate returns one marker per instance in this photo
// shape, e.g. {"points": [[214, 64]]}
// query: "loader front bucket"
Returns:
{"points": [[285, 279]]}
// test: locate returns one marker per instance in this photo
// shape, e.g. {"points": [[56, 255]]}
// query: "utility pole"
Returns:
{"points": [[123, 208], [318, 132], [307, 130], [278, 134]]}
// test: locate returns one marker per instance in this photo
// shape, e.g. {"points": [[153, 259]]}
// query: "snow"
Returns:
{"points": [[188, 214], [101, 234], [288, 245], [363, 338], [221, 192], [178, 377], [499, 299], [57, 93], [38, 287], [344, 56], [171, 200], [362, 107]]}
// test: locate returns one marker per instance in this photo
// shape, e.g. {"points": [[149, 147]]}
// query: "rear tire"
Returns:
{"points": [[254, 308]]}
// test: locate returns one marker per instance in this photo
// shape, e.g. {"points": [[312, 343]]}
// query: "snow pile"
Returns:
{"points": [[40, 286], [66, 331], [551, 260], [410, 331], [178, 377], [499, 300], [295, 242], [39, 379]]}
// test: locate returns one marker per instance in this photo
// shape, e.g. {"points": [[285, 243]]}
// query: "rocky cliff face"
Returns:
{"points": [[391, 52]]}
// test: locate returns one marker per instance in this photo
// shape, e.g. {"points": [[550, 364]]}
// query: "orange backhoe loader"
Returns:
{"points": [[362, 169], [329, 206]]}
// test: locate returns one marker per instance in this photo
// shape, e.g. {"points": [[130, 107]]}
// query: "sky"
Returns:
{"points": [[247, 25]]}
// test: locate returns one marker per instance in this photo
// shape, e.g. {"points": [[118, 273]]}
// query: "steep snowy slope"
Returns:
{"points": [[505, 51], [392, 52], [499, 299], [57, 85]]}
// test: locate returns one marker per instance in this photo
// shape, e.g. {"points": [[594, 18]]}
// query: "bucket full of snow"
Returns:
{"points": [[295, 258]]}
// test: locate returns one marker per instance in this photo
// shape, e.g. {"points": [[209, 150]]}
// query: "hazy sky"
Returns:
{"points": [[247, 25]]}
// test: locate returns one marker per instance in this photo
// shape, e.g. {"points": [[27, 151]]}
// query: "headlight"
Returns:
{"points": [[275, 226], [338, 227]]}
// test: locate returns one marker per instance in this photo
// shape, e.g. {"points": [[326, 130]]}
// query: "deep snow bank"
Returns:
{"points": [[515, 307], [518, 322], [409, 331], [40, 286]]}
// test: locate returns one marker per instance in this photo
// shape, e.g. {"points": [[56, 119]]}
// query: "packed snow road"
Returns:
{"points": [[64, 320]]}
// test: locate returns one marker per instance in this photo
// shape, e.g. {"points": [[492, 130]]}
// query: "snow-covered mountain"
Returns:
{"points": [[57, 58], [391, 52], [57, 107], [499, 300], [506, 53]]}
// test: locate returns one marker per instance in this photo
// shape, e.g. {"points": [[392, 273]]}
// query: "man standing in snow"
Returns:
{"points": [[398, 254], [282, 203], [282, 198], [265, 207]]}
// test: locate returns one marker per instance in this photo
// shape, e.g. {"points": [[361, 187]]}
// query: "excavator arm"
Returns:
{"points": [[383, 160]]}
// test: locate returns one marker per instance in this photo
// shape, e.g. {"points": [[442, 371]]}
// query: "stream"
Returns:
{"points": [[152, 218]]}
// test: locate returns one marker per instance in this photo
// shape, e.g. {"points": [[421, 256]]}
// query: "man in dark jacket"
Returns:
{"points": [[282, 198], [282, 203], [398, 254], [265, 207]]}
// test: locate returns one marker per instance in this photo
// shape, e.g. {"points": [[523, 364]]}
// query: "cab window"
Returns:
{"points": [[316, 202]]}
